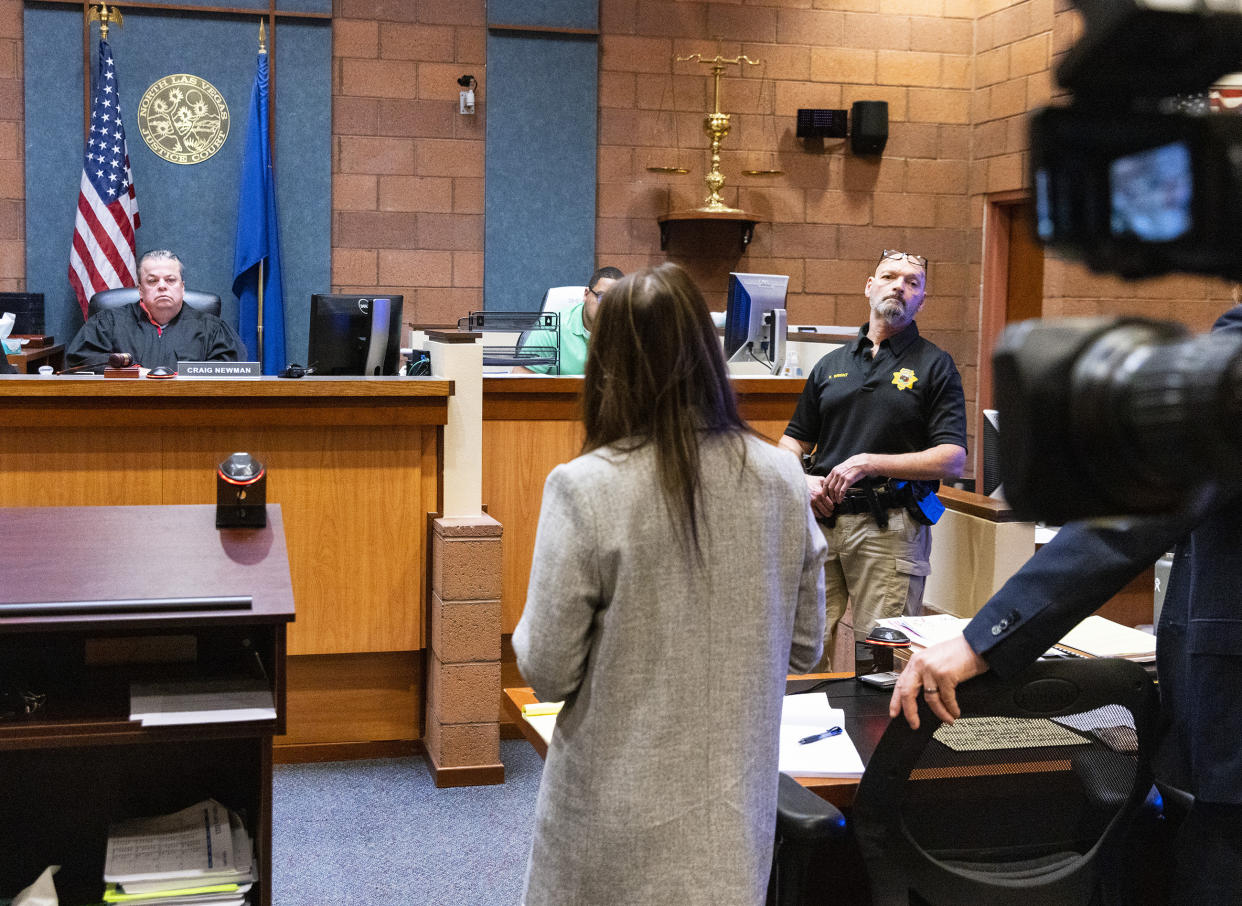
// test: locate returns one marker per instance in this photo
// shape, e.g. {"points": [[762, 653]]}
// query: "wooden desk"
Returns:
{"points": [[28, 360], [866, 717], [80, 763], [352, 461]]}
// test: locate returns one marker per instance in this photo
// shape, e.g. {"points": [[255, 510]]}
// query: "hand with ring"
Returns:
{"points": [[936, 673]]}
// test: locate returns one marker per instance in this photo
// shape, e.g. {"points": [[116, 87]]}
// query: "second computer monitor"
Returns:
{"points": [[755, 319], [354, 335]]}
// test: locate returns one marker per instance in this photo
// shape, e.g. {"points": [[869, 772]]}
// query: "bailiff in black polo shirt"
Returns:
{"points": [[888, 406], [905, 399]]}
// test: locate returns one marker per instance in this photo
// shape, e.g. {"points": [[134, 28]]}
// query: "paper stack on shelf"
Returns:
{"points": [[809, 714], [199, 855], [201, 702]]}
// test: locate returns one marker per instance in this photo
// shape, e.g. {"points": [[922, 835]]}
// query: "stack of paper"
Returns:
{"points": [[810, 714], [199, 855], [1097, 636], [542, 716], [201, 702]]}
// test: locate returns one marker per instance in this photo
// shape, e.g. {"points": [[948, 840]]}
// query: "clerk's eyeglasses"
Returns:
{"points": [[905, 256]]}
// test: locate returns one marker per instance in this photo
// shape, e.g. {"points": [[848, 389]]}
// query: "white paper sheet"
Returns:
{"points": [[835, 756]]}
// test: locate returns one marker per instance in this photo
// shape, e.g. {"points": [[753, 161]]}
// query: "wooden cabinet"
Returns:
{"points": [[78, 762]]}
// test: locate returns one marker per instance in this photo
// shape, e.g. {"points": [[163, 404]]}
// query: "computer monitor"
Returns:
{"points": [[28, 309], [755, 320], [354, 335]]}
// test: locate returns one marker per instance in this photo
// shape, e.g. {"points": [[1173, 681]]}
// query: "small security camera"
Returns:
{"points": [[466, 81]]}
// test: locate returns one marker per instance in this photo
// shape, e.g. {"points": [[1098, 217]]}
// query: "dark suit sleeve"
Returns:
{"points": [[94, 342], [5, 367], [1067, 579]]}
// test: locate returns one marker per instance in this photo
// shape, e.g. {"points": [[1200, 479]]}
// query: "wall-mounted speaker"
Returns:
{"points": [[868, 127], [814, 123]]}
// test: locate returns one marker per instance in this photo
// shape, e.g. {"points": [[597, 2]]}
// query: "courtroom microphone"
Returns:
{"points": [[115, 360]]}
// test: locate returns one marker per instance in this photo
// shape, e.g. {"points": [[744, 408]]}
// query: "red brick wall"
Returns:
{"points": [[407, 169], [827, 217]]}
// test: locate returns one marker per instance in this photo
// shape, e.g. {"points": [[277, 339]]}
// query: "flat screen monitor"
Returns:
{"points": [[753, 329], [28, 309], [354, 335]]}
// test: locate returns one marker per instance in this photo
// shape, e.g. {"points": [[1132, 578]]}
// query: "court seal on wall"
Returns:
{"points": [[183, 118]]}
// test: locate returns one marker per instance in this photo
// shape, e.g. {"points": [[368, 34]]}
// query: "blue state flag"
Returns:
{"points": [[258, 238]]}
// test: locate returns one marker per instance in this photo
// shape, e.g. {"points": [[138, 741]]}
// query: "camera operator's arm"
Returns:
{"points": [[1069, 578], [941, 462]]}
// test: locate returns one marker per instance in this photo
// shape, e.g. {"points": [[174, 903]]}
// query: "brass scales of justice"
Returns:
{"points": [[716, 125]]}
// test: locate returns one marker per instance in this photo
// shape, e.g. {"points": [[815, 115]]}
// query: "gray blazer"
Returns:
{"points": [[660, 782]]}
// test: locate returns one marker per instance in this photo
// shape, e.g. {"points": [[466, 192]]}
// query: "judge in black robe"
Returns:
{"points": [[191, 336], [158, 329]]}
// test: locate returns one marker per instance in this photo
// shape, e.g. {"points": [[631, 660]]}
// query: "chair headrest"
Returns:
{"points": [[559, 298], [127, 295]]}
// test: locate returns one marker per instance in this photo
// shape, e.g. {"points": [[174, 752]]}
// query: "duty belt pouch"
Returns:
{"points": [[920, 501]]}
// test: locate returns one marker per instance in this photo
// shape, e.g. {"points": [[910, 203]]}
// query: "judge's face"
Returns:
{"points": [[160, 289]]}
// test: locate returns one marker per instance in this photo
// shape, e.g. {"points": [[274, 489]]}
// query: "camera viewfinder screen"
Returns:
{"points": [[1151, 193]]}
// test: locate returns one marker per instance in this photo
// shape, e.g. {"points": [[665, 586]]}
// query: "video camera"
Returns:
{"points": [[1107, 417], [1122, 177]]}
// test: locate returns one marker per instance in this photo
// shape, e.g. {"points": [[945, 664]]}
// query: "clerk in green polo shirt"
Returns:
{"points": [[575, 328]]}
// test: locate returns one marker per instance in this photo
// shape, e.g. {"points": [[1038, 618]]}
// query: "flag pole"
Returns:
{"points": [[259, 325]]}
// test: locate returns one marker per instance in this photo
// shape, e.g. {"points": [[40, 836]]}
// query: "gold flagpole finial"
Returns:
{"points": [[262, 38], [106, 19]]}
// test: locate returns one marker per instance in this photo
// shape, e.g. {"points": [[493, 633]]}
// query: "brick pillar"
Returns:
{"points": [[463, 663]]}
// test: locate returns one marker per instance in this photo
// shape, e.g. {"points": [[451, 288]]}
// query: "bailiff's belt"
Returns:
{"points": [[855, 500], [860, 504], [875, 499], [918, 498]]}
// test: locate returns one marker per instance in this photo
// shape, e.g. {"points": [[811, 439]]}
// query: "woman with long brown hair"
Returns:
{"points": [[677, 577]]}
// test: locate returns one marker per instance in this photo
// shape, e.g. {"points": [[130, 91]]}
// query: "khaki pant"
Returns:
{"points": [[882, 570]]}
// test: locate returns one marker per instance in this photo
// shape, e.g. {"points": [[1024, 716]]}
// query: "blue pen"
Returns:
{"points": [[831, 731]]}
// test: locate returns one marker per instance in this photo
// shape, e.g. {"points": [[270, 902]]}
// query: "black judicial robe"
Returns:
{"points": [[192, 336]]}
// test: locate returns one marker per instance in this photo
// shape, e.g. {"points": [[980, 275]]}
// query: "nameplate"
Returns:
{"points": [[218, 369]]}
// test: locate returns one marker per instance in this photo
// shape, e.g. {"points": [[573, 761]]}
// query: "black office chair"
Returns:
{"points": [[810, 837], [115, 298], [1013, 825]]}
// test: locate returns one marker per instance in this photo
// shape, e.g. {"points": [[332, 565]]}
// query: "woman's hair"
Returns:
{"points": [[655, 374]]}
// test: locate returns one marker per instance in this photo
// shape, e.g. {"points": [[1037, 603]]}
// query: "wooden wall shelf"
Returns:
{"points": [[745, 220]]}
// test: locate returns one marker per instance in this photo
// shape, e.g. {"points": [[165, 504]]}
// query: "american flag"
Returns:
{"points": [[102, 256]]}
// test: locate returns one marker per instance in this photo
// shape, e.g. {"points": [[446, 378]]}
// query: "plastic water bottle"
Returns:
{"points": [[793, 367]]}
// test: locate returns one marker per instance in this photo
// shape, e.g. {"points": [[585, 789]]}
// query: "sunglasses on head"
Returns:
{"points": [[905, 256]]}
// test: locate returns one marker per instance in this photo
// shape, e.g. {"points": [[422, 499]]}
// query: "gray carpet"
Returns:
{"points": [[378, 833]]}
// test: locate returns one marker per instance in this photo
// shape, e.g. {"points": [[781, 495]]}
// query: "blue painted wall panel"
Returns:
{"points": [[190, 209], [541, 143], [548, 13], [303, 171]]}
